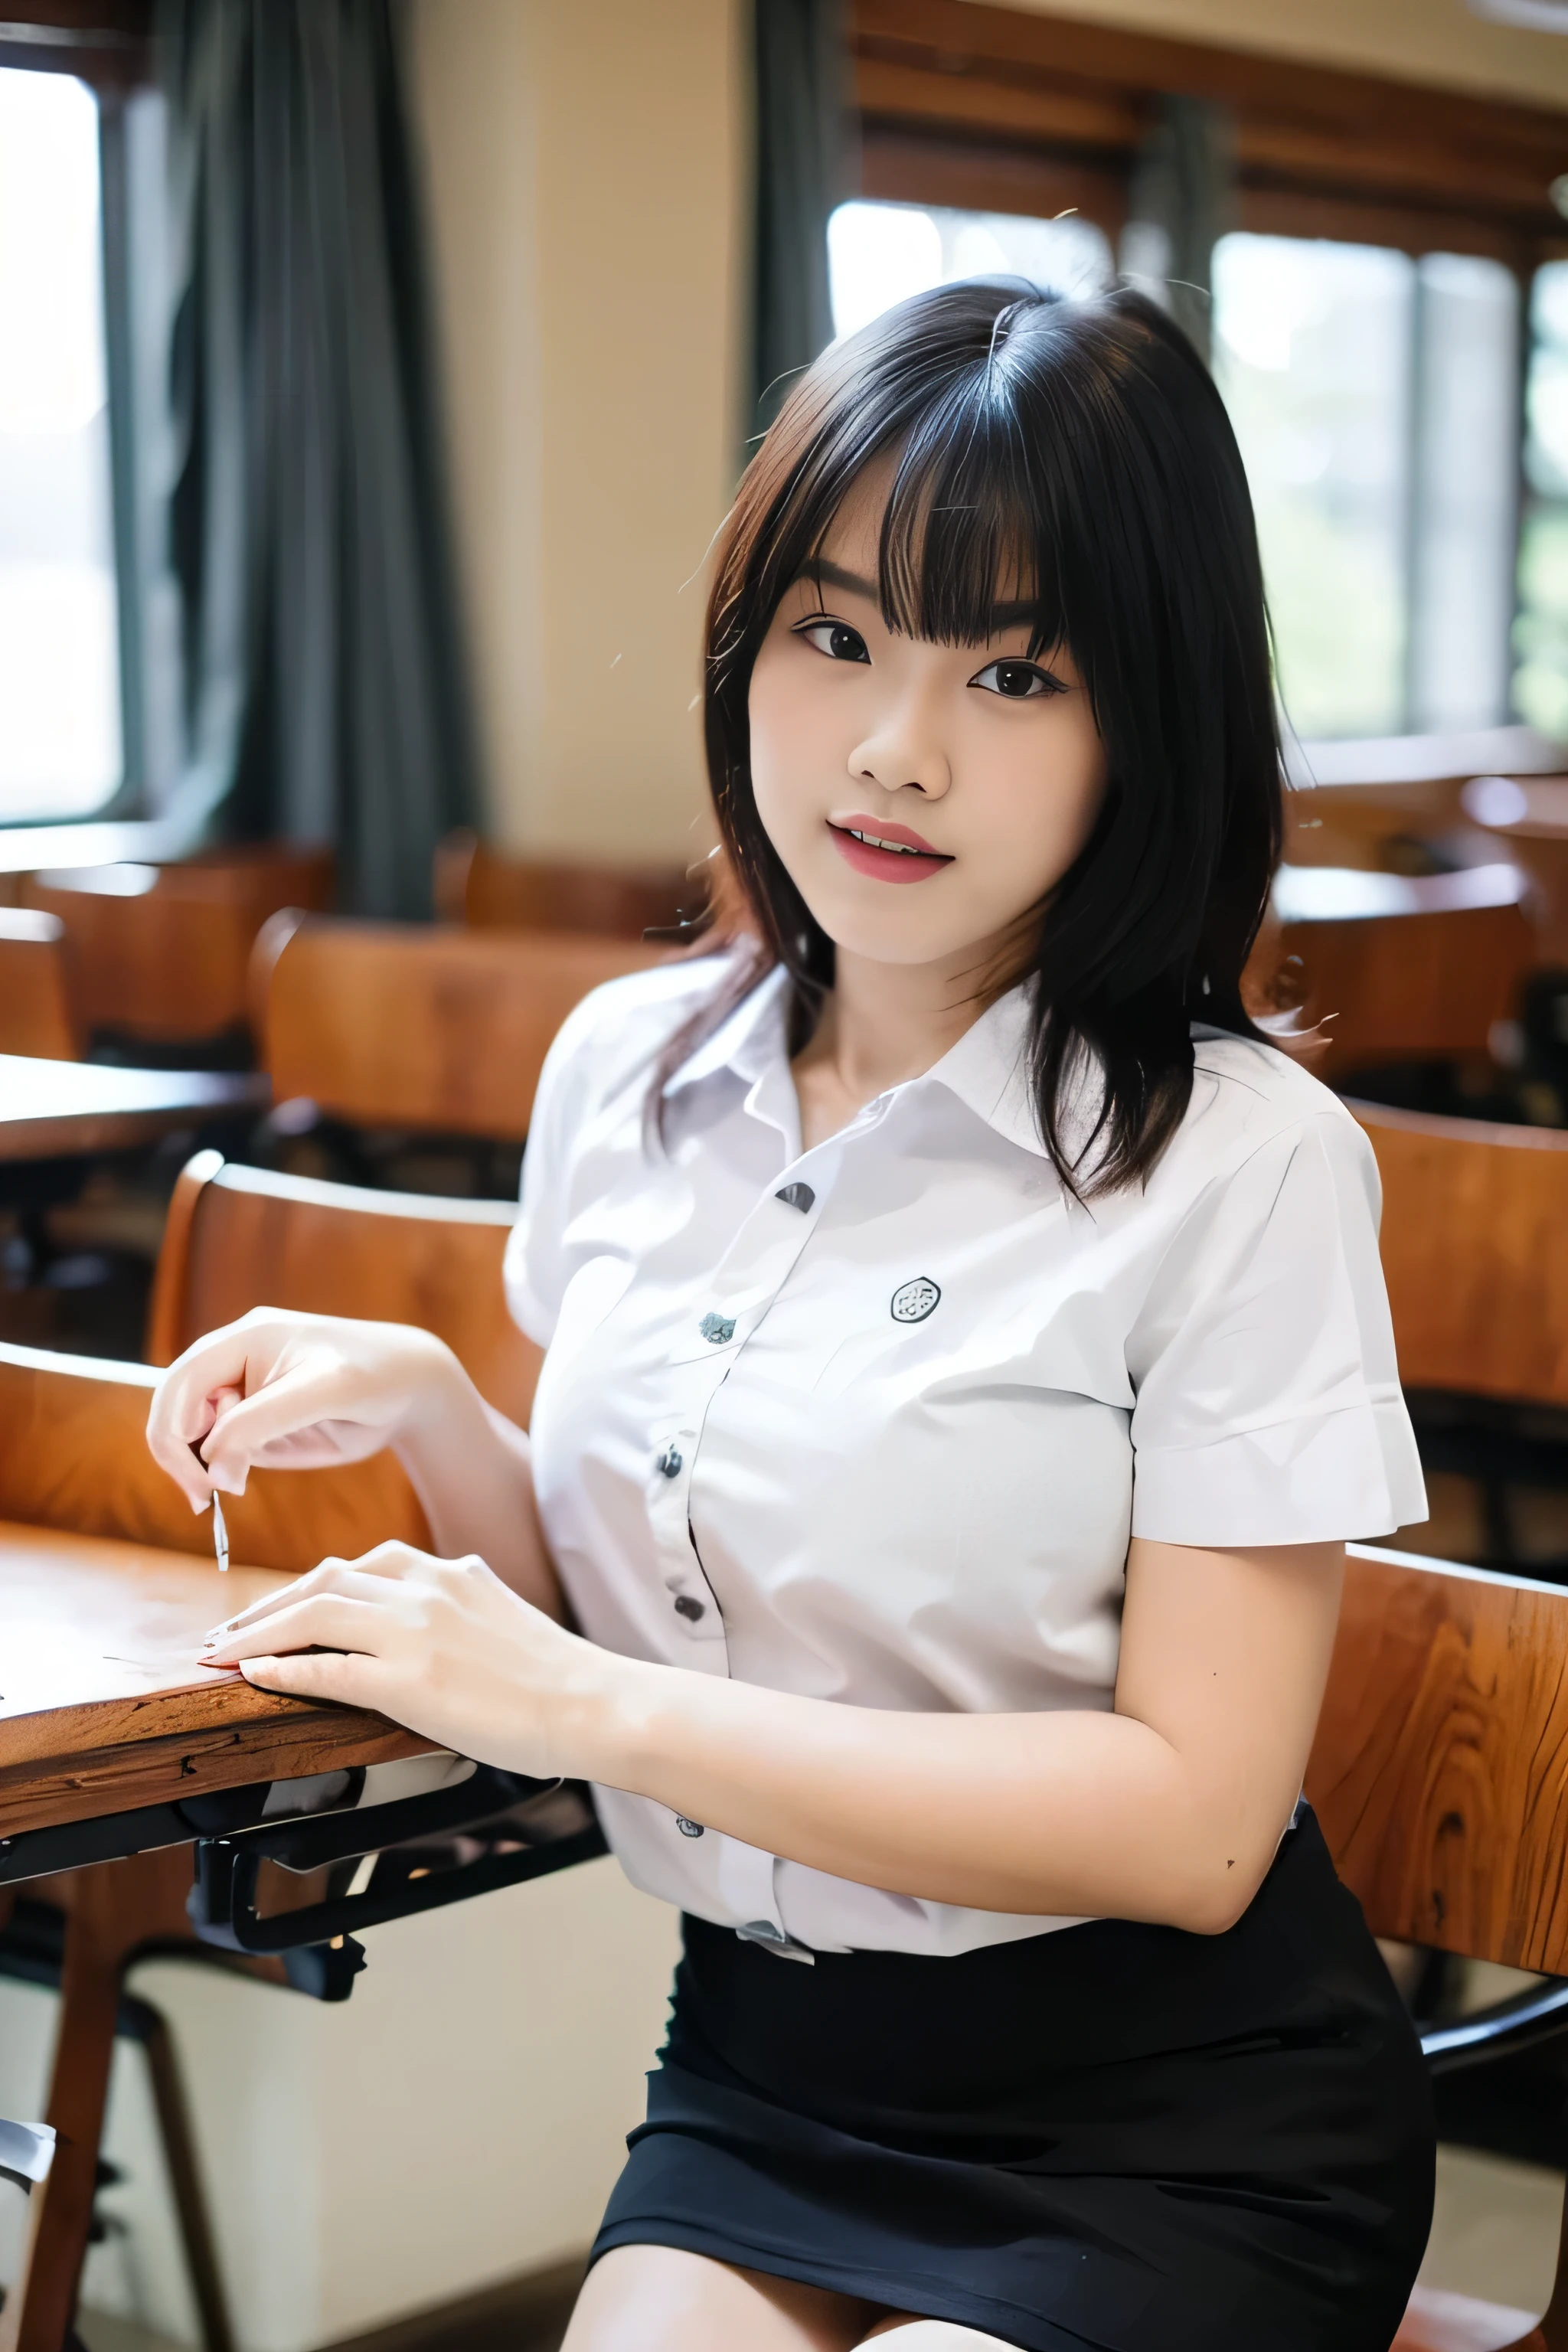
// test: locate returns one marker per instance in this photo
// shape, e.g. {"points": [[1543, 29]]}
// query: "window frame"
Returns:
{"points": [[993, 109], [989, 108]]}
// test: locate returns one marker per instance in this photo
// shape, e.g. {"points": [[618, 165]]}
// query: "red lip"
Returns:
{"points": [[886, 865]]}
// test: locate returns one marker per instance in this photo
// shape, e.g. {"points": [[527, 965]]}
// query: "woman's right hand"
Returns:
{"points": [[291, 1392]]}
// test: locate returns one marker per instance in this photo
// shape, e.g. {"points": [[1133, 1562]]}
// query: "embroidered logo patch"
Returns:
{"points": [[914, 1301]]}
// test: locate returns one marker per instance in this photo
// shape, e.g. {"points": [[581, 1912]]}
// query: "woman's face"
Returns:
{"points": [[923, 797]]}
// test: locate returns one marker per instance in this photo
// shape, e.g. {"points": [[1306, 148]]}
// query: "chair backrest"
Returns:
{"points": [[37, 1010], [419, 1026], [161, 953], [1440, 1772], [73, 1453], [242, 1237], [1405, 968], [477, 883], [1475, 1252]]}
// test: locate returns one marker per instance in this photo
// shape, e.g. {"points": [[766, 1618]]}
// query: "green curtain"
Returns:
{"points": [[803, 170], [325, 695]]}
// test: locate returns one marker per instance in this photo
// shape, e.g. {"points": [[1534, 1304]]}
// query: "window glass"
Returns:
{"points": [[1464, 526], [1312, 353], [880, 254], [60, 750], [1540, 633], [1375, 401]]}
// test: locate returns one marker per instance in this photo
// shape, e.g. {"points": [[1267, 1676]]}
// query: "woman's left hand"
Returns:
{"points": [[441, 1646]]}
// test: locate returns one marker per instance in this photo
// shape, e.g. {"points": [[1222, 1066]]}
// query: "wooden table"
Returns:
{"points": [[107, 1712], [104, 1703], [59, 1109]]}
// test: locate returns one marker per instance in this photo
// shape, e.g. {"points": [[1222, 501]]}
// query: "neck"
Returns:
{"points": [[885, 1022]]}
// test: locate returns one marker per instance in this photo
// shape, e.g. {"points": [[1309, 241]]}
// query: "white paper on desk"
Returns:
{"points": [[47, 1666]]}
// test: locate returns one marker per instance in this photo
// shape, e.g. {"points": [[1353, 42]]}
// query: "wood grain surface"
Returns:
{"points": [[1440, 1768], [1475, 1252], [243, 1237], [37, 1006], [73, 1455], [170, 960], [489, 890], [1411, 985], [104, 1703], [417, 1025]]}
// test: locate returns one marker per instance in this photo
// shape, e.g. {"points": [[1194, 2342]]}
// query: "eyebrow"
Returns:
{"points": [[826, 574]]}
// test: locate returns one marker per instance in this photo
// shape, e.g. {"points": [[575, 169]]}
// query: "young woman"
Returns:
{"points": [[967, 1357]]}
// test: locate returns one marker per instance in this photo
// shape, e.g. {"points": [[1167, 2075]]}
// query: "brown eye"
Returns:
{"points": [[1017, 681], [835, 639]]}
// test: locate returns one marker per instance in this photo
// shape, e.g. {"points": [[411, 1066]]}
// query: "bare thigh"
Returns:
{"points": [[930, 2335], [662, 2299]]}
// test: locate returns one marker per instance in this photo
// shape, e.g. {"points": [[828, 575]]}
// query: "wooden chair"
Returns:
{"points": [[73, 1456], [37, 1011], [1475, 1252], [407, 1025], [1439, 1774], [161, 953], [483, 886], [242, 1237], [1526, 819], [1403, 968], [1377, 828]]}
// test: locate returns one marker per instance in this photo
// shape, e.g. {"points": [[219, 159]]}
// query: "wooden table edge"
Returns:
{"points": [[91, 1782]]}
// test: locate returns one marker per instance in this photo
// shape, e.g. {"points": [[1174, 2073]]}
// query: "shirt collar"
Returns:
{"points": [[987, 1070], [748, 1042]]}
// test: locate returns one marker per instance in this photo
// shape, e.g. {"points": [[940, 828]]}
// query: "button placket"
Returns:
{"points": [[671, 1451], [759, 1261], [749, 1277]]}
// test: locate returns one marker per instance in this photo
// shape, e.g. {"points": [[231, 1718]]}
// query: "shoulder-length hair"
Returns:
{"points": [[1078, 454]]}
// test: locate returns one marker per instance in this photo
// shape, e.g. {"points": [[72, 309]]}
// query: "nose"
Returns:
{"points": [[905, 747]]}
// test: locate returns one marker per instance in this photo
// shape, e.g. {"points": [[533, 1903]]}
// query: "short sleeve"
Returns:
{"points": [[536, 1271], [1267, 1405]]}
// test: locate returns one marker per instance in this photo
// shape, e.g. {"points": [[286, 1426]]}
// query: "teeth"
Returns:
{"points": [[872, 841]]}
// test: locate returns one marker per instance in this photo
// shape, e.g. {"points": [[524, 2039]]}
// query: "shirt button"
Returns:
{"points": [[669, 1462], [796, 1196], [717, 1329], [686, 1607], [688, 1829]]}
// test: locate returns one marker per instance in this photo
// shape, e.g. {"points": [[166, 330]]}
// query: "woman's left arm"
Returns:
{"points": [[1168, 1809]]}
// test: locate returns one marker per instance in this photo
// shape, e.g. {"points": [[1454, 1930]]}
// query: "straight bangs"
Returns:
{"points": [[1072, 458], [970, 526]]}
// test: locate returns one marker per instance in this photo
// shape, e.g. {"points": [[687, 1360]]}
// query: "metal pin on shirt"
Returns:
{"points": [[220, 1534]]}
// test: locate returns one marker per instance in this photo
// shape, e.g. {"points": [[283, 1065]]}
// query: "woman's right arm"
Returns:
{"points": [[283, 1391]]}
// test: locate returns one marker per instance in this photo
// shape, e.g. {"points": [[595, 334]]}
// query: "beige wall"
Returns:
{"points": [[584, 163], [1412, 41]]}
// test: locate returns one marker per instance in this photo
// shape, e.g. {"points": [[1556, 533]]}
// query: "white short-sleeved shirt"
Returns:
{"points": [[875, 1421]]}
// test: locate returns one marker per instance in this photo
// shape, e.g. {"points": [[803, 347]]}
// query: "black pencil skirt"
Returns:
{"points": [[1113, 2136]]}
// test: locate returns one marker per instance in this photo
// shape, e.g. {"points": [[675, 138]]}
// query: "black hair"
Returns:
{"points": [[1076, 453]]}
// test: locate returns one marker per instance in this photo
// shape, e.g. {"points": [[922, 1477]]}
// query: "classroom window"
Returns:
{"points": [[880, 254], [1374, 399], [60, 748]]}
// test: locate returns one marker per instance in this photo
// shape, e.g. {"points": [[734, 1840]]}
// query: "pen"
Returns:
{"points": [[220, 1533]]}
